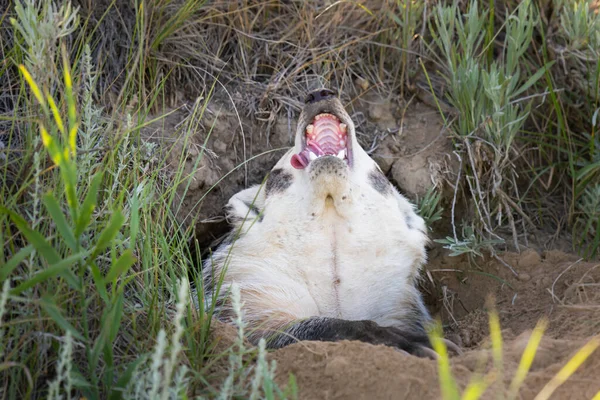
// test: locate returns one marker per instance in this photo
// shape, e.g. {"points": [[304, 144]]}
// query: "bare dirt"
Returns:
{"points": [[410, 145]]}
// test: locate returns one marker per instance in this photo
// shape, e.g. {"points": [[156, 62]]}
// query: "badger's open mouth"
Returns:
{"points": [[325, 136]]}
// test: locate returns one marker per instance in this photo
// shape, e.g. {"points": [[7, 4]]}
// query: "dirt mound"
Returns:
{"points": [[354, 370], [554, 285]]}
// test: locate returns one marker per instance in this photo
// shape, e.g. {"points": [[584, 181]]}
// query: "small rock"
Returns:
{"points": [[523, 277], [529, 258]]}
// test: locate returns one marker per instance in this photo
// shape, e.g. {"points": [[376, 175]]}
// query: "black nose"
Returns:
{"points": [[319, 95]]}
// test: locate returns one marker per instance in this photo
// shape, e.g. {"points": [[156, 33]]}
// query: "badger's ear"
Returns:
{"points": [[246, 205]]}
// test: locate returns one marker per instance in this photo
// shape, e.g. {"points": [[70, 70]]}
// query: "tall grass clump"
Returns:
{"points": [[524, 91], [575, 44], [73, 223], [489, 94], [95, 265]]}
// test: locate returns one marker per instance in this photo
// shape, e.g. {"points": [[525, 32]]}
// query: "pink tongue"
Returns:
{"points": [[300, 160]]}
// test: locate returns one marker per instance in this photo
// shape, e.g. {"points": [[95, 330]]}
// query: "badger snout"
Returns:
{"points": [[329, 176]]}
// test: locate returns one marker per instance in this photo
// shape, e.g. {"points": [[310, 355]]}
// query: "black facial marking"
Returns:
{"points": [[380, 182], [278, 181]]}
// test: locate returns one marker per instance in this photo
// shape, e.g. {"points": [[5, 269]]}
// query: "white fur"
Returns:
{"points": [[288, 264]]}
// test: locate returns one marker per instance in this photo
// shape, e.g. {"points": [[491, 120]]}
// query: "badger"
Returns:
{"points": [[325, 248]]}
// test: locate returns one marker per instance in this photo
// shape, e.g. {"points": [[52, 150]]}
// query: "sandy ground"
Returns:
{"points": [[412, 149]]}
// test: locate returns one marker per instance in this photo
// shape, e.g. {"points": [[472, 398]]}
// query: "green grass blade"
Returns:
{"points": [[52, 146], [35, 238], [59, 219], [476, 388], [34, 87], [89, 204], [496, 337], [134, 225], [54, 312], [116, 392], [56, 114], [71, 106], [121, 266], [531, 81], [61, 268], [13, 263], [99, 282], [447, 382], [117, 316], [109, 233]]}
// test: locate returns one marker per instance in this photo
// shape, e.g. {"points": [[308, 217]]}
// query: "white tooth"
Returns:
{"points": [[312, 156], [342, 154], [343, 127], [318, 117], [310, 128]]}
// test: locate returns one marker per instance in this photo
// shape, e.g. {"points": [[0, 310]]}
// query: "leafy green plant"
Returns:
{"points": [[470, 243], [94, 264], [407, 16], [429, 207], [72, 262], [577, 43], [487, 96]]}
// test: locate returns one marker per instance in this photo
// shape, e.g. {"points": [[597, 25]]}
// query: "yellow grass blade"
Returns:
{"points": [[51, 145], [447, 382], [73, 139], [597, 396], [496, 337], [56, 113], [570, 368], [527, 358], [477, 387], [34, 87], [46, 138], [71, 108]]}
